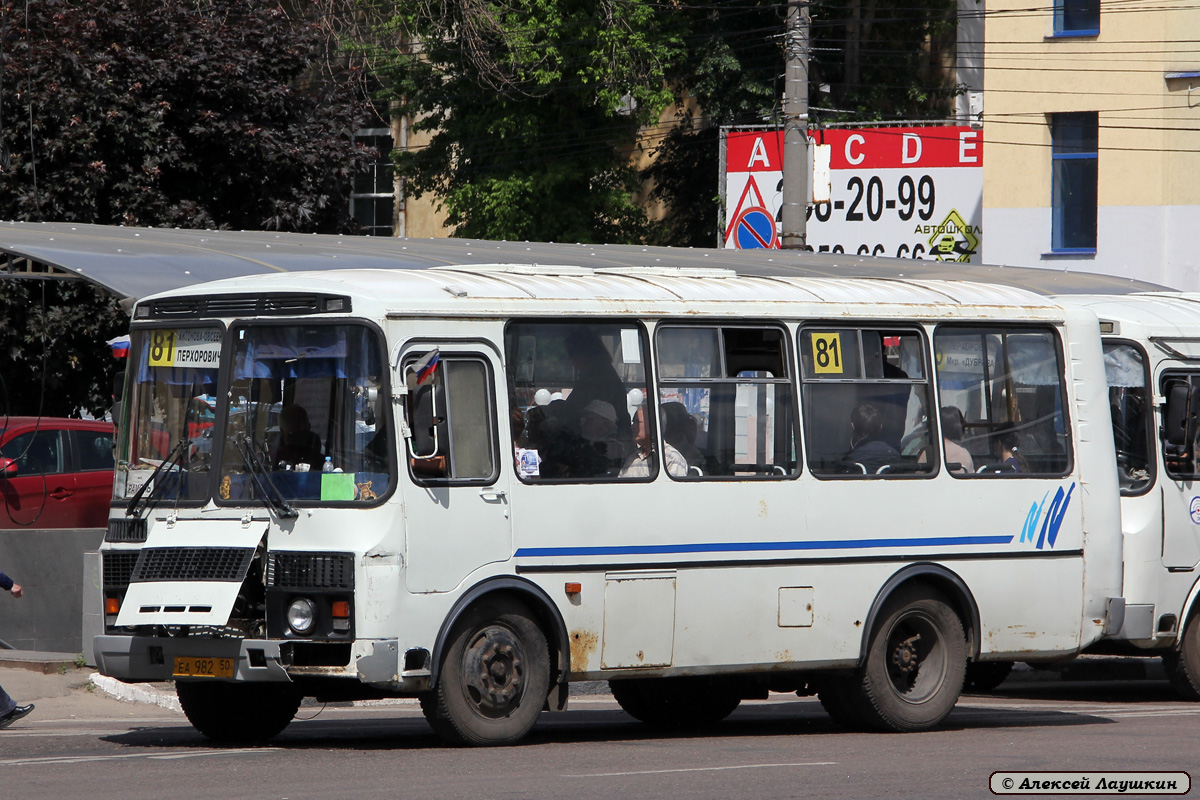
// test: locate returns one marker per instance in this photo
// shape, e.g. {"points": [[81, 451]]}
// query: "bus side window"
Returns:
{"points": [[451, 416], [1126, 375], [1008, 385], [574, 390], [1179, 428], [866, 400], [727, 401]]}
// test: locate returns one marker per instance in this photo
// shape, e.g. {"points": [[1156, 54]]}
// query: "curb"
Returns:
{"points": [[135, 693]]}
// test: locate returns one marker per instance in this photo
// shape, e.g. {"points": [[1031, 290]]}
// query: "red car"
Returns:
{"points": [[55, 473]]}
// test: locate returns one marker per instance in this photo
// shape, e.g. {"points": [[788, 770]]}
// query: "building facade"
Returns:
{"points": [[1092, 130]]}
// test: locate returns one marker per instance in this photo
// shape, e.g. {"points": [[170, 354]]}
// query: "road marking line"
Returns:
{"points": [[701, 769], [55, 760]]}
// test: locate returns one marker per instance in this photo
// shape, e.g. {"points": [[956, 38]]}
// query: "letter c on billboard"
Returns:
{"points": [[851, 140]]}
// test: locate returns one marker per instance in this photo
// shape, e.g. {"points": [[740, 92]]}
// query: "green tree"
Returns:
{"points": [[534, 110], [189, 113]]}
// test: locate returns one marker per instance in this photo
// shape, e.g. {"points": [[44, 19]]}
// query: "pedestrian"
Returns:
{"points": [[10, 712]]}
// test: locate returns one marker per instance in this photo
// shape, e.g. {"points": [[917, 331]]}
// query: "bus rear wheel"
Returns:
{"points": [[916, 663], [1183, 665], [238, 712], [676, 702], [494, 678]]}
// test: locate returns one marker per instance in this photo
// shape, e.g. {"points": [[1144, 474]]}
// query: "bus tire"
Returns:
{"points": [[494, 679], [1183, 664], [238, 712], [983, 676], [676, 702], [916, 663]]}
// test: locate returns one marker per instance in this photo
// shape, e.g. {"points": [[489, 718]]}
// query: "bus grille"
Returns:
{"points": [[310, 571], [118, 567], [192, 564], [126, 530]]}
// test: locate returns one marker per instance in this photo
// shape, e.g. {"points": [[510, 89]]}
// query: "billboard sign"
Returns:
{"points": [[907, 192]]}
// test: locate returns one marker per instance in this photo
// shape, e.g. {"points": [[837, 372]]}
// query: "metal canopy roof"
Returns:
{"points": [[136, 262]]}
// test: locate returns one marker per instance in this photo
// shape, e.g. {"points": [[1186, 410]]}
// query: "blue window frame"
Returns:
{"points": [[1076, 17], [1073, 184]]}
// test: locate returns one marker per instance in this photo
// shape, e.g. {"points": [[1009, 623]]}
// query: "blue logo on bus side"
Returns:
{"points": [[1051, 522]]}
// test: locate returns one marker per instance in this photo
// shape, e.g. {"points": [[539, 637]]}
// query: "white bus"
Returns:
{"points": [[476, 485], [1152, 364]]}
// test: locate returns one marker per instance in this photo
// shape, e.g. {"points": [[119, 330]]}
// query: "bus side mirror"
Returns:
{"points": [[420, 408], [118, 395], [1179, 421]]}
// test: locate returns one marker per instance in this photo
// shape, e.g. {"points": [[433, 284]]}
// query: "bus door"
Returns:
{"points": [[456, 496], [1181, 466]]}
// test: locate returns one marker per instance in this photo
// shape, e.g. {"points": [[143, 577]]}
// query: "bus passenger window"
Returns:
{"points": [[726, 401], [574, 388], [450, 414], [866, 400], [1007, 385], [1128, 402]]}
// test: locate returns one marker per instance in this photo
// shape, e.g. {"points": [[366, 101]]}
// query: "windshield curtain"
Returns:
{"points": [[171, 400], [307, 403]]}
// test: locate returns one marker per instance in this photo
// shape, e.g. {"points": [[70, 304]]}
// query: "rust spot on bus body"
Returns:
{"points": [[583, 645]]}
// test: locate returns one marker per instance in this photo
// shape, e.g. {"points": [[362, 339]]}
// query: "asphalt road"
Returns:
{"points": [[81, 744]]}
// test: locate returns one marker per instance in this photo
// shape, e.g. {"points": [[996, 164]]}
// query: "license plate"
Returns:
{"points": [[191, 667]]}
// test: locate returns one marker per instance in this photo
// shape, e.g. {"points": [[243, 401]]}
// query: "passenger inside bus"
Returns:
{"points": [[868, 450], [958, 459], [679, 430], [640, 463], [595, 379], [1008, 450], [297, 442]]}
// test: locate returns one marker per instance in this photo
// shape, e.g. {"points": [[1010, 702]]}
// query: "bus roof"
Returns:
{"points": [[136, 262], [501, 289]]}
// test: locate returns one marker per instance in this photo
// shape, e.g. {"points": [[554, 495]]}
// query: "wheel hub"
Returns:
{"points": [[494, 670], [904, 656]]}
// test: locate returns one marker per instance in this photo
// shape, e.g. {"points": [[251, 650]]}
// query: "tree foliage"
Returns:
{"points": [[189, 113], [533, 108], [52, 345]]}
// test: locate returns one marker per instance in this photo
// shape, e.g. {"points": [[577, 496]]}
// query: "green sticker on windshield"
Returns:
{"points": [[337, 486]]}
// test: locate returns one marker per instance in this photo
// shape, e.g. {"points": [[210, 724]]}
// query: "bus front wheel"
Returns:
{"points": [[494, 678], [238, 712], [915, 665], [1183, 665]]}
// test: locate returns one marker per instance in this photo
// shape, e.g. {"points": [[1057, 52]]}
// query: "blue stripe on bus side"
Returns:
{"points": [[758, 547]]}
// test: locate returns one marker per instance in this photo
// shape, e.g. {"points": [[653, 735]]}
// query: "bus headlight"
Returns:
{"points": [[301, 615]]}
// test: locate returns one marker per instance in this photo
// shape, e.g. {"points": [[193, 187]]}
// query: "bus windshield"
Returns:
{"points": [[305, 417], [171, 401]]}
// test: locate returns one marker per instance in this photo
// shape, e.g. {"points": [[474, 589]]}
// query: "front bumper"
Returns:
{"points": [[152, 658]]}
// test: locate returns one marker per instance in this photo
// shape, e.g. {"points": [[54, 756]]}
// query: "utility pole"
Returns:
{"points": [[796, 192]]}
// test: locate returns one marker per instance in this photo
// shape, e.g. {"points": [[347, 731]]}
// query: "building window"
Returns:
{"points": [[1073, 155], [373, 198], [1076, 17]]}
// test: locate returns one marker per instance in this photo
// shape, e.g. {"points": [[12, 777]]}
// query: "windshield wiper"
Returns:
{"points": [[175, 457], [262, 479]]}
